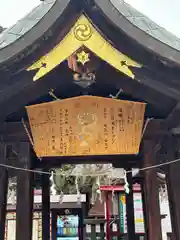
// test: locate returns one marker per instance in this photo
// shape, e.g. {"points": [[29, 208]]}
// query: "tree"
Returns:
{"points": [[88, 177]]}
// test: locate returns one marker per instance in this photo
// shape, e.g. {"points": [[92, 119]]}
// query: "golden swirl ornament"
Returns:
{"points": [[82, 32]]}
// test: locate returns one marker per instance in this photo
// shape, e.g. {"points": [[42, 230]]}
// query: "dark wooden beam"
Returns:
{"points": [[175, 131], [133, 87], [150, 79], [31, 91], [154, 128], [173, 120], [151, 192], [45, 206], [13, 132], [24, 207], [117, 160], [3, 190]]}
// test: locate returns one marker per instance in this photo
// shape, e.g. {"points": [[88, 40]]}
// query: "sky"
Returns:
{"points": [[166, 13], [13, 10]]}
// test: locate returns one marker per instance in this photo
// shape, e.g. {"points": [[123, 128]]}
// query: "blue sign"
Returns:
{"points": [[68, 227]]}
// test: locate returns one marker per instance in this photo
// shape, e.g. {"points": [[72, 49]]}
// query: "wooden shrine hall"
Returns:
{"points": [[89, 81]]}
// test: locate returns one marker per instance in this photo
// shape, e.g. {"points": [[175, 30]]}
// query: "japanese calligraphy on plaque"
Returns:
{"points": [[86, 125]]}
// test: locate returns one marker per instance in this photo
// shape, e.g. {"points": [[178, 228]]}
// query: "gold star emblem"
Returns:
{"points": [[83, 57]]}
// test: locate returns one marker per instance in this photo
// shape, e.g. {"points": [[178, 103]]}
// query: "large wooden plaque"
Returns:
{"points": [[86, 125]]}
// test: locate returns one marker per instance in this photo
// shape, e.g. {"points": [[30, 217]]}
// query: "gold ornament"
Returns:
{"points": [[82, 32], [83, 57]]}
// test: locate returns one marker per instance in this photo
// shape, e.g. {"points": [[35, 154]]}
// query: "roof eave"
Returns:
{"points": [[124, 25]]}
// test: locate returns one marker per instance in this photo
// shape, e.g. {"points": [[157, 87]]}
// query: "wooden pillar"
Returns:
{"points": [[130, 208], [3, 190], [45, 206], [169, 152], [173, 181], [144, 207], [107, 214], [151, 193], [24, 206]]}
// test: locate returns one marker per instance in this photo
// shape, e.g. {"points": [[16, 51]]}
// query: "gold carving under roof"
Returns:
{"points": [[86, 125], [83, 33], [83, 57]]}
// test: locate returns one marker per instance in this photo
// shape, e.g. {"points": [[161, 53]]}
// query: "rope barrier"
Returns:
{"points": [[94, 174]]}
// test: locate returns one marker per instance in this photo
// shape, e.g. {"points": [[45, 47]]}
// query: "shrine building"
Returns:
{"points": [[89, 81]]}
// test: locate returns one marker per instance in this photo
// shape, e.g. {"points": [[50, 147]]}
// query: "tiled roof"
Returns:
{"points": [[24, 25], [146, 32], [147, 25], [1, 29]]}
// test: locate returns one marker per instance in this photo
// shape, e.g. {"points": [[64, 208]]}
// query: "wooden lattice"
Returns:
{"points": [[86, 125]]}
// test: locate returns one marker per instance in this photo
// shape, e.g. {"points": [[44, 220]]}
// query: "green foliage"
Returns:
{"points": [[66, 183]]}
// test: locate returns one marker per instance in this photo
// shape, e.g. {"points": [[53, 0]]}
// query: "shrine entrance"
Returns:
{"points": [[81, 87]]}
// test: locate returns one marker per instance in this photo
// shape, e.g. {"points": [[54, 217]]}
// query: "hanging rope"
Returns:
{"points": [[64, 174], [27, 132], [145, 126], [126, 185], [98, 191], [61, 197], [53, 185], [78, 191], [113, 208], [29, 137]]}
